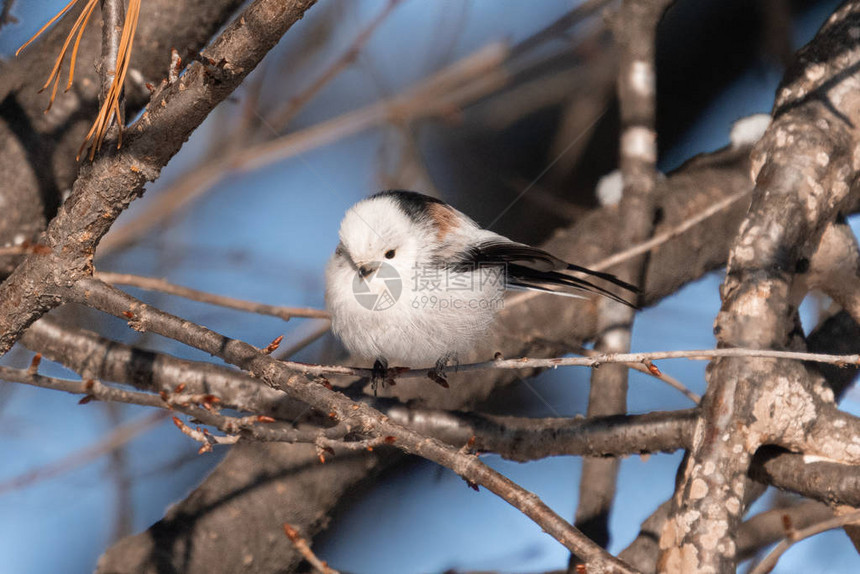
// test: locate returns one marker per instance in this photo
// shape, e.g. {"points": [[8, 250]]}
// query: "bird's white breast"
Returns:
{"points": [[413, 317]]}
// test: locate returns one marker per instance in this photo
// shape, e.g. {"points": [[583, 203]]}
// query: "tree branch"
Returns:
{"points": [[163, 286], [38, 160], [769, 563], [95, 357], [357, 418], [803, 174], [636, 34], [104, 189]]}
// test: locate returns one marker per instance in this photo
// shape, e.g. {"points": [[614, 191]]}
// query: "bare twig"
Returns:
{"points": [[556, 28], [648, 368], [207, 439], [595, 360], [658, 240], [768, 527], [305, 550], [258, 427], [282, 117], [464, 81], [794, 537], [163, 286]]}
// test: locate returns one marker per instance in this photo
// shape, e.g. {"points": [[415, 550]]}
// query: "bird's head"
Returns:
{"points": [[378, 231]]}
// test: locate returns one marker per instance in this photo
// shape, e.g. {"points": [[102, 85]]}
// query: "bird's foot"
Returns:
{"points": [[437, 373], [381, 375]]}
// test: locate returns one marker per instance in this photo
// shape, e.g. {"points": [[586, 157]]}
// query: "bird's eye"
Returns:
{"points": [[389, 254]]}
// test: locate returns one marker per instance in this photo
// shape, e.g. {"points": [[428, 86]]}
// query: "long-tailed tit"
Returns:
{"points": [[417, 283]]}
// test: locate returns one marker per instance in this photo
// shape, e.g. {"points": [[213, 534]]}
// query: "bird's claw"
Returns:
{"points": [[382, 375], [438, 377], [437, 373]]}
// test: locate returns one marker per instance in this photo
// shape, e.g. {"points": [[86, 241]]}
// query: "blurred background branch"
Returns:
{"points": [[511, 115]]}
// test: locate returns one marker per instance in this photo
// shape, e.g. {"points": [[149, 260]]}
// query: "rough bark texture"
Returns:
{"points": [[38, 159], [106, 187], [233, 522], [803, 168], [636, 34]]}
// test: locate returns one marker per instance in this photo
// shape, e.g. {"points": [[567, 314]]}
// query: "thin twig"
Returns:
{"points": [[771, 559], [648, 369], [593, 361], [288, 111], [651, 244], [305, 550], [558, 27], [117, 439], [666, 236], [254, 426], [768, 527], [163, 286], [466, 80], [205, 438]]}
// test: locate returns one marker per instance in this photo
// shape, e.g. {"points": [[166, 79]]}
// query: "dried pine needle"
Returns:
{"points": [[110, 110]]}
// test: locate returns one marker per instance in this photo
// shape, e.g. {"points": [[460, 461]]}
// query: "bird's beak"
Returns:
{"points": [[366, 269]]}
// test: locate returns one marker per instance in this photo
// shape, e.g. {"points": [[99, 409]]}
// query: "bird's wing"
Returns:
{"points": [[532, 268]]}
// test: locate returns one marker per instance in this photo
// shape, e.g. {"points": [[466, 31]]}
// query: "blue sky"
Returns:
{"points": [[266, 235]]}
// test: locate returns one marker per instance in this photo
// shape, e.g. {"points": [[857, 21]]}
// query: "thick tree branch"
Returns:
{"points": [[95, 357], [813, 478], [104, 189], [524, 439], [803, 170], [38, 160], [636, 34]]}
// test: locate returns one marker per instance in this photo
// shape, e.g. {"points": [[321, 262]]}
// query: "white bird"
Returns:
{"points": [[417, 283]]}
